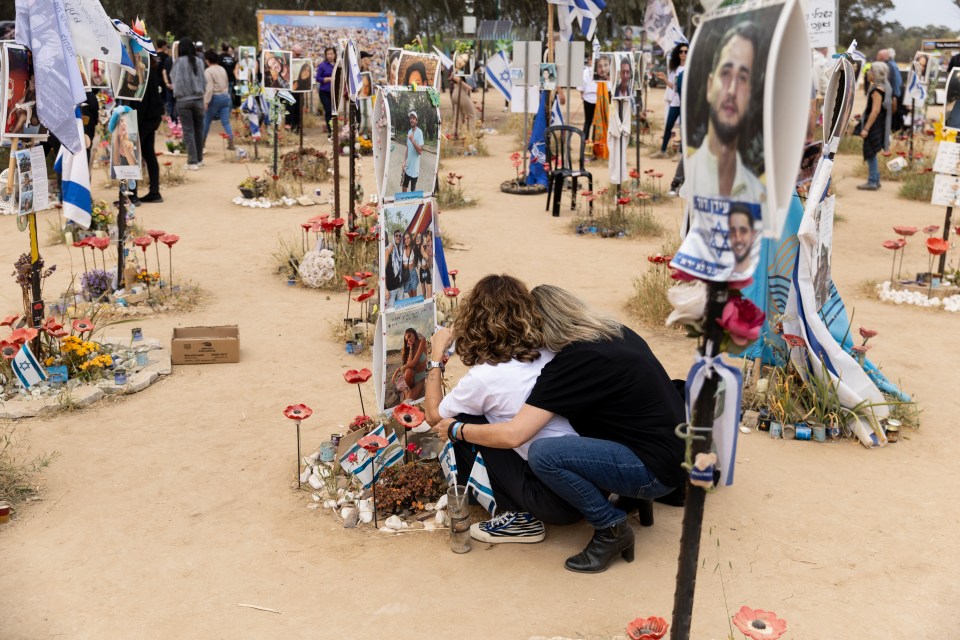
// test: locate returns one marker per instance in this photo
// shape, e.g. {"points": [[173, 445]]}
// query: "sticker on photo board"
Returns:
{"points": [[20, 117], [99, 73], [747, 73], [392, 64], [951, 106], [275, 69], [603, 67], [405, 337], [946, 189], [947, 160], [132, 85], [548, 76], [246, 63], [302, 69], [516, 75], [413, 142], [407, 253], [623, 76], [422, 69], [125, 148]]}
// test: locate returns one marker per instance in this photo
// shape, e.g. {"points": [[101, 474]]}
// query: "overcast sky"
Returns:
{"points": [[920, 13]]}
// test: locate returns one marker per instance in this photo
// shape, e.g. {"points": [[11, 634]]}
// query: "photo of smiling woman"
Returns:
{"points": [[276, 69]]}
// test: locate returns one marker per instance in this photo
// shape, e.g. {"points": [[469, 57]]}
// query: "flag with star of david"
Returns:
{"points": [[498, 74]]}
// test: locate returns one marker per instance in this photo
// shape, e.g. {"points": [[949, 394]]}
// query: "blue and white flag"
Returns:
{"points": [[270, 41], [75, 174], [42, 27], [565, 19], [479, 485], [360, 462], [726, 426], [498, 74], [444, 60], [556, 114], [587, 12], [537, 145], [353, 73], [448, 463], [28, 369]]}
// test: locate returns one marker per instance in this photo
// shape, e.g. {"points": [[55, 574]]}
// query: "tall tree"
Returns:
{"points": [[863, 20]]}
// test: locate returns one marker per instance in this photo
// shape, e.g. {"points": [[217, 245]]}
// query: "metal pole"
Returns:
{"points": [[526, 67], [702, 423], [946, 236], [301, 121], [569, 77], [913, 124], [483, 96], [121, 235], [351, 206], [456, 106]]}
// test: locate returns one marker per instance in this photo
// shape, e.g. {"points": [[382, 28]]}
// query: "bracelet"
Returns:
{"points": [[453, 431]]}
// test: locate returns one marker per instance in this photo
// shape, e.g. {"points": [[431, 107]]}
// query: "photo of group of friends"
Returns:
{"points": [[314, 31], [408, 253], [723, 130], [617, 69], [20, 118], [413, 147]]}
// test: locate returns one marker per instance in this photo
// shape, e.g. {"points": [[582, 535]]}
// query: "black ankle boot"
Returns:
{"points": [[644, 508], [603, 548]]}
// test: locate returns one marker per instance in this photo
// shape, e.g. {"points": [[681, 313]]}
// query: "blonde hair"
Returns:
{"points": [[498, 322], [568, 319]]}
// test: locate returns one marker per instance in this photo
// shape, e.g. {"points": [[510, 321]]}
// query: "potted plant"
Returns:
{"points": [[252, 187]]}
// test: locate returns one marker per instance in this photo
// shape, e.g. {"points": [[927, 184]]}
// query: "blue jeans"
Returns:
{"points": [[584, 471], [673, 114], [218, 109], [873, 171]]}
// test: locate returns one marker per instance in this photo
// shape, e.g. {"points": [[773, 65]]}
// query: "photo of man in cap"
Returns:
{"points": [[411, 159]]}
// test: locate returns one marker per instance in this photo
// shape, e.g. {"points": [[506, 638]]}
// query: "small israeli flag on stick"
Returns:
{"points": [[27, 368], [479, 484]]}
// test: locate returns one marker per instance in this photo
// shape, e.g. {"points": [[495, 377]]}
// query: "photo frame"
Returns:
{"points": [[84, 73], [463, 63], [951, 105], [392, 64], [132, 85], [405, 335], [275, 69], [407, 253], [548, 76], [396, 158], [303, 74], [623, 76], [366, 86], [422, 69], [125, 153], [20, 117], [246, 63], [99, 73], [603, 64]]}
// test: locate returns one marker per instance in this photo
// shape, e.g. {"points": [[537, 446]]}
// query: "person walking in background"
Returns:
{"points": [[189, 87], [166, 73], [875, 123], [229, 64], [293, 114], [588, 91], [149, 114], [678, 60], [323, 78], [216, 98]]}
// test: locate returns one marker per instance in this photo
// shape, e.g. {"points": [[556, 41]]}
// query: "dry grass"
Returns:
{"points": [[649, 303], [917, 186], [18, 468]]}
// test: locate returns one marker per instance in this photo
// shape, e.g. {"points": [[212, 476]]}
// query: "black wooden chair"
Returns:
{"points": [[560, 149]]}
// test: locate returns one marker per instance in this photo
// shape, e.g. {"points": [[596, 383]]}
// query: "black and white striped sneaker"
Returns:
{"points": [[510, 526]]}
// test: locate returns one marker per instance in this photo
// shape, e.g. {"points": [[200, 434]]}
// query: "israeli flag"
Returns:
{"points": [[75, 174], [556, 114], [27, 368], [479, 485], [448, 463], [353, 75], [270, 41], [537, 145], [444, 60], [498, 74], [583, 11], [362, 464], [565, 20]]}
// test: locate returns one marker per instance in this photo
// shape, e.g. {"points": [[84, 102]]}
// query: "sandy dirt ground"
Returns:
{"points": [[166, 510]]}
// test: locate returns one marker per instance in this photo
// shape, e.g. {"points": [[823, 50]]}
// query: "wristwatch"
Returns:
{"points": [[433, 364]]}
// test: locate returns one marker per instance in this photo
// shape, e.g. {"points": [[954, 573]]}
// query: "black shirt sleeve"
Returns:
{"points": [[570, 381]]}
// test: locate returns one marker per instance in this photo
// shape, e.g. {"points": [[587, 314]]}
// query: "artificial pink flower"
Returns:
{"points": [[742, 319], [757, 624]]}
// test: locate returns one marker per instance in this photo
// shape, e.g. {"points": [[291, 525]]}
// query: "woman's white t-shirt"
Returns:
{"points": [[671, 96], [498, 392]]}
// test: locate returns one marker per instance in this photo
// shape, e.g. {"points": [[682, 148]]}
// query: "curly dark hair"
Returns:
{"points": [[498, 322]]}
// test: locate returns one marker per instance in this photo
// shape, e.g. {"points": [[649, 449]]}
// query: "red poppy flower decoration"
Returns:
{"points": [[298, 412], [794, 341], [23, 335], [659, 259], [351, 236], [408, 415], [931, 229], [9, 320], [143, 242], [99, 243], [372, 443], [634, 174], [904, 230], [867, 333], [356, 377], [51, 324], [757, 624], [353, 283], [366, 295], [894, 245], [169, 239], [937, 246], [306, 225], [337, 222], [652, 628], [82, 325], [155, 234], [451, 292], [623, 200], [861, 348], [8, 349]]}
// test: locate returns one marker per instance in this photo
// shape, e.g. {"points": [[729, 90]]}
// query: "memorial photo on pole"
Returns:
{"points": [[393, 64], [125, 148], [407, 253], [724, 138], [420, 69], [951, 108], [623, 78], [246, 63], [405, 353], [99, 73], [133, 84], [548, 77], [602, 64], [20, 117], [413, 142], [276, 69], [302, 75]]}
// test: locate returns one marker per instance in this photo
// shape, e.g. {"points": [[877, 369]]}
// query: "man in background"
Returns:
{"points": [[296, 109], [229, 64]]}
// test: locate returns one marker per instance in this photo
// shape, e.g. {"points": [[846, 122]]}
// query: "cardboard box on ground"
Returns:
{"points": [[205, 345]]}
